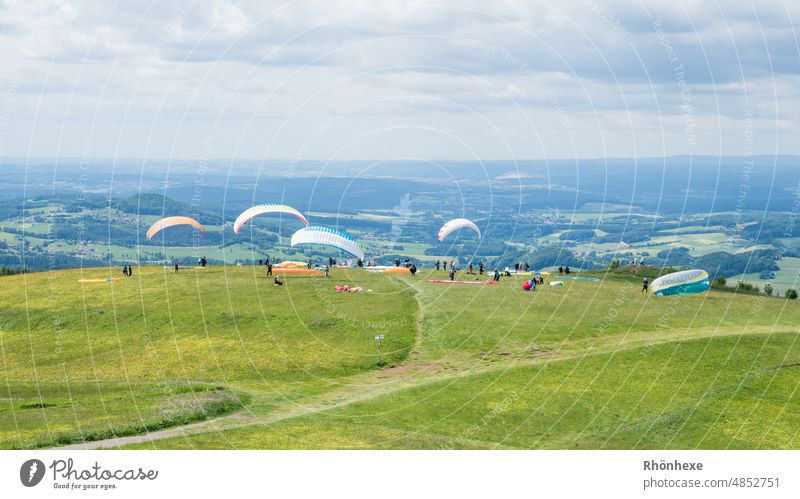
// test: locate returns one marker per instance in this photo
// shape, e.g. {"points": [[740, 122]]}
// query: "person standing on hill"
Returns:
{"points": [[445, 265], [566, 270], [176, 267], [645, 285], [438, 265], [125, 270], [561, 271], [269, 268], [496, 275], [480, 267], [452, 273], [470, 271], [413, 270], [130, 270]]}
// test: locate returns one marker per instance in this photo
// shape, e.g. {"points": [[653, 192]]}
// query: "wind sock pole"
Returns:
{"points": [[378, 338]]}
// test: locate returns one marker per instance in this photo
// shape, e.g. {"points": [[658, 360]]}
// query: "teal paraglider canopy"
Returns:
{"points": [[685, 282]]}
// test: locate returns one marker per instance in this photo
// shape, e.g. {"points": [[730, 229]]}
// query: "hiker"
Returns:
{"points": [[125, 270], [480, 267], [269, 268], [645, 285], [561, 271], [176, 267], [438, 264], [452, 273], [413, 270], [496, 275], [278, 282]]}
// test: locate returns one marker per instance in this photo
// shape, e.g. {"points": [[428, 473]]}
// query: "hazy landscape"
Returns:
{"points": [[176, 360]]}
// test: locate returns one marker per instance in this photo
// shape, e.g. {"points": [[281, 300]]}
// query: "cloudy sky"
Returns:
{"points": [[377, 79]]}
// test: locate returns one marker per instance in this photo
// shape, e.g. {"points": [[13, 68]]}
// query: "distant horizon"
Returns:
{"points": [[312, 160]]}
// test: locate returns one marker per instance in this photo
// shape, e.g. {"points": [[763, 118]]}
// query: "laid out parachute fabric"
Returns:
{"points": [[261, 209], [454, 225], [681, 283], [327, 236], [172, 221]]}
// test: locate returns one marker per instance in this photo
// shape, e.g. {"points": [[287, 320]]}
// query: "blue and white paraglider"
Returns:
{"points": [[685, 282], [326, 236]]}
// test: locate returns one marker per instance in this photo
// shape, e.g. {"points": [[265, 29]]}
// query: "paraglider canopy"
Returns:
{"points": [[681, 283], [261, 209], [455, 224], [326, 236], [172, 221]]}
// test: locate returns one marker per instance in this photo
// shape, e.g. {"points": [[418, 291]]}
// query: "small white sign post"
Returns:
{"points": [[378, 338]]}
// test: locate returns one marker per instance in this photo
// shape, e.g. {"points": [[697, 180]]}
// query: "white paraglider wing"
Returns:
{"points": [[326, 236], [172, 221], [685, 282], [261, 209], [454, 225]]}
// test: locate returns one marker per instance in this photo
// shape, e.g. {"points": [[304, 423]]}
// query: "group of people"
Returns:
{"points": [[471, 271], [521, 266], [563, 270], [531, 284], [127, 270], [440, 264]]}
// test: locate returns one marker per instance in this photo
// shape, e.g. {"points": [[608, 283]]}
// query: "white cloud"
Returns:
{"points": [[614, 77]]}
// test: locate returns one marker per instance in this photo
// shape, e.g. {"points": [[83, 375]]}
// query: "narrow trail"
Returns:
{"points": [[374, 384]]}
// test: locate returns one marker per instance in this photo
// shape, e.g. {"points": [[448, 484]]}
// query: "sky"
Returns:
{"points": [[375, 79]]}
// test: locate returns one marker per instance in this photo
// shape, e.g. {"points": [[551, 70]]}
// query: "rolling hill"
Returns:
{"points": [[222, 358]]}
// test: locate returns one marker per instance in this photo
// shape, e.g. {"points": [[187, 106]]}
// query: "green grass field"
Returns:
{"points": [[246, 364]]}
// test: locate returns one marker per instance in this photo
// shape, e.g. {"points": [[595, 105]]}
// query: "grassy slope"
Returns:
{"points": [[591, 364], [222, 326]]}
